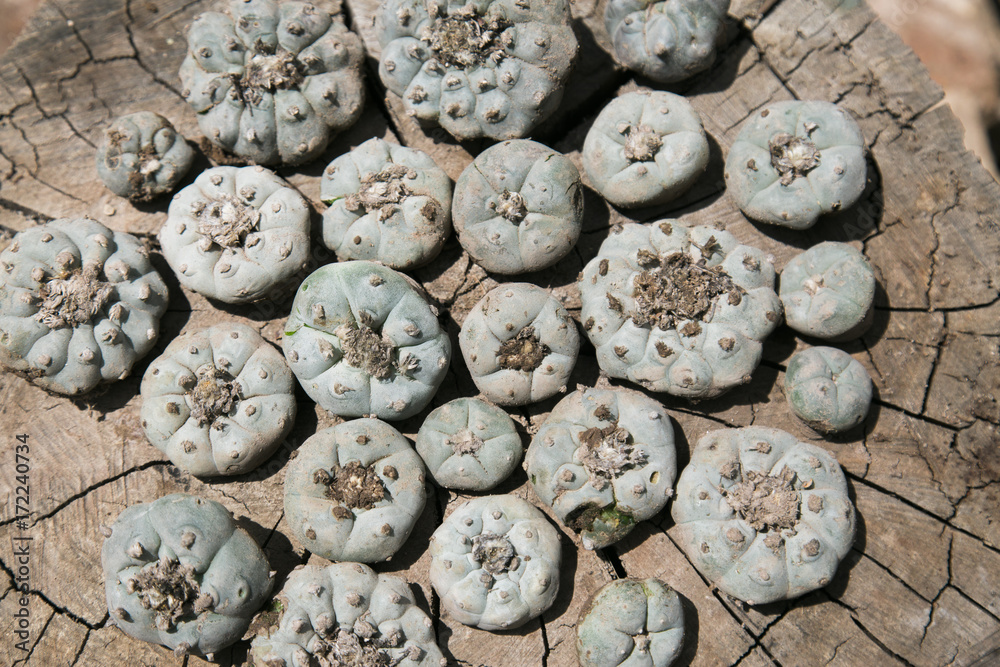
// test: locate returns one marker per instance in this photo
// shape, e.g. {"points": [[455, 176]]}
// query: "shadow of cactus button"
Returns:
{"points": [[666, 40], [272, 81], [344, 614], [763, 516], [363, 340], [795, 161], [678, 309], [631, 622], [494, 68], [469, 445], [645, 148], [236, 234], [79, 305], [495, 562], [828, 292], [179, 572], [518, 207], [354, 491], [387, 203], [519, 344], [828, 389], [218, 401], [604, 460], [142, 156]]}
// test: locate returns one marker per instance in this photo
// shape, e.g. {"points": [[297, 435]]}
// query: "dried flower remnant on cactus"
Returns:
{"points": [[608, 452], [766, 502]]}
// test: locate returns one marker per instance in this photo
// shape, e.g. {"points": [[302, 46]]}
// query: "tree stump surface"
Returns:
{"points": [[922, 583]]}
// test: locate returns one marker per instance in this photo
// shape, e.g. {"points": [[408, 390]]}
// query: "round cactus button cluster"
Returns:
{"points": [[469, 445], [518, 207], [761, 515], [236, 233], [828, 292], [141, 156], [387, 203], [79, 305], [679, 309], [354, 491], [272, 81], [645, 148], [795, 161], [495, 562], [362, 340], [345, 614], [218, 401], [179, 572], [520, 344], [493, 68], [604, 460], [666, 40], [828, 389], [631, 622]]}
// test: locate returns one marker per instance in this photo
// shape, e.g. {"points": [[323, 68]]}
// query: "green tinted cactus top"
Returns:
{"points": [[354, 491], [79, 305], [491, 68], [179, 572], [495, 562], [761, 515], [666, 40], [218, 401], [518, 207], [346, 614], [631, 622], [828, 292], [519, 344], [604, 460], [828, 389], [272, 81], [645, 148], [236, 233], [142, 156], [795, 161], [679, 309], [362, 340], [387, 203], [469, 445]]}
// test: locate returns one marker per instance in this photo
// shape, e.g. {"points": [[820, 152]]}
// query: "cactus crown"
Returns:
{"points": [[642, 143], [269, 70], [609, 451], [171, 589], [381, 188], [227, 220], [214, 395], [766, 502], [465, 39], [676, 287], [73, 300], [511, 206], [366, 349], [495, 552], [355, 485], [792, 156], [523, 352]]}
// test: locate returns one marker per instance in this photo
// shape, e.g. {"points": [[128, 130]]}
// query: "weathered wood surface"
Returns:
{"points": [[922, 585]]}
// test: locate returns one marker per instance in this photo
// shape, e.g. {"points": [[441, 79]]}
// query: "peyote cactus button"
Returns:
{"points": [[362, 340], [79, 305], [387, 203], [604, 460], [142, 156], [273, 81], [218, 401], [666, 40], [828, 292], [678, 309], [795, 161], [492, 68], [469, 445], [495, 562], [354, 491], [828, 389], [518, 207], [761, 515], [631, 622], [345, 614], [179, 572], [519, 344], [645, 148]]}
